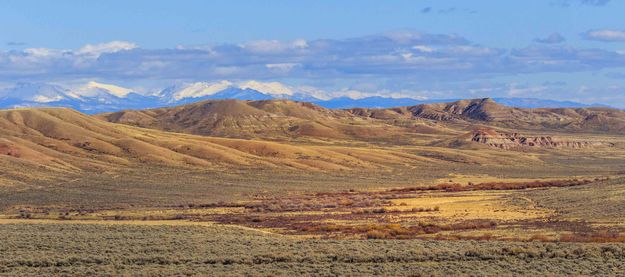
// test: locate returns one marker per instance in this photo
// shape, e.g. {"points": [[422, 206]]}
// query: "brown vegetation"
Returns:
{"points": [[450, 187], [393, 230]]}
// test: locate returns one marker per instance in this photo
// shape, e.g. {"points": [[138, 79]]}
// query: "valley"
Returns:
{"points": [[472, 173]]}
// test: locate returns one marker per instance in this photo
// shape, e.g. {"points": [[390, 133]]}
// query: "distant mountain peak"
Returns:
{"points": [[93, 88], [35, 92], [272, 88], [199, 90], [196, 90]]}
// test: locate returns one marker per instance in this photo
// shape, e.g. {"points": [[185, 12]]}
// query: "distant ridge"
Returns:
{"points": [[256, 119], [271, 119], [488, 111]]}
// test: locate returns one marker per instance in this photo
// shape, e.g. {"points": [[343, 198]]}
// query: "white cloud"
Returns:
{"points": [[423, 48], [43, 52], [282, 66], [274, 46], [110, 47], [605, 35]]}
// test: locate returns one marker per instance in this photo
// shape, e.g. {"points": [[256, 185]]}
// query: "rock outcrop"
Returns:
{"points": [[501, 140]]}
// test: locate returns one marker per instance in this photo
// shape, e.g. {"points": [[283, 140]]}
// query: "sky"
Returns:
{"points": [[552, 49]]}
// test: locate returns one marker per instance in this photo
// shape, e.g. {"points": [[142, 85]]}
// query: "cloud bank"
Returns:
{"points": [[390, 55], [411, 63]]}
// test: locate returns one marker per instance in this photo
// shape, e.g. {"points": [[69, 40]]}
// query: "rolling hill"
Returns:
{"points": [[268, 119], [213, 148], [47, 143], [488, 112], [291, 120], [217, 135]]}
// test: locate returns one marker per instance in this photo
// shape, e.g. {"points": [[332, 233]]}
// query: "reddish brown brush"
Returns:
{"points": [[393, 230], [453, 187]]}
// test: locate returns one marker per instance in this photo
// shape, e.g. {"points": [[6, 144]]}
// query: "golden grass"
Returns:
{"points": [[469, 205], [485, 178]]}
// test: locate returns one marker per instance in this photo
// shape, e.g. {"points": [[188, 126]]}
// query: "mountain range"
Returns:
{"points": [[94, 97]]}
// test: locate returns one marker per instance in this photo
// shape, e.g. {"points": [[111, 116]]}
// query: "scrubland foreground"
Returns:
{"points": [[282, 188], [128, 249]]}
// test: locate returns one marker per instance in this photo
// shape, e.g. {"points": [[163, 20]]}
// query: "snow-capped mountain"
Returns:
{"points": [[179, 92], [95, 89], [36, 93], [251, 90], [94, 97]]}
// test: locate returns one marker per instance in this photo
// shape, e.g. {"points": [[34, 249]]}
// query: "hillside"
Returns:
{"points": [[268, 119], [218, 135], [52, 142], [487, 112], [281, 120]]}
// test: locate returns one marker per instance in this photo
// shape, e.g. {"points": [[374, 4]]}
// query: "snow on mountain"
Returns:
{"points": [[36, 92], [94, 97], [194, 90], [271, 88], [91, 97], [92, 89], [203, 90]]}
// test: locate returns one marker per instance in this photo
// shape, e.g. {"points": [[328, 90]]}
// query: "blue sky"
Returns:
{"points": [[556, 49]]}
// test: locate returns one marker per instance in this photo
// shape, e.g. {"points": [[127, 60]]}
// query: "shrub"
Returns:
{"points": [[376, 234]]}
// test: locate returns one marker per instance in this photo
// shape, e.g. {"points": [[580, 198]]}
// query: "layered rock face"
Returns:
{"points": [[515, 140]]}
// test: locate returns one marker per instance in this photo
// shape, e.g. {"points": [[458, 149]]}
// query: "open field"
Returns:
{"points": [[509, 227], [509, 211]]}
